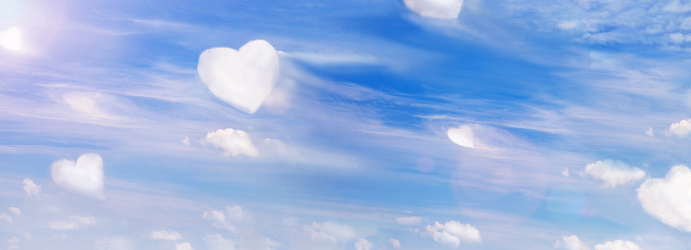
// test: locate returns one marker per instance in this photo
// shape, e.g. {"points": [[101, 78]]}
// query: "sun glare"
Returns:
{"points": [[11, 39]]}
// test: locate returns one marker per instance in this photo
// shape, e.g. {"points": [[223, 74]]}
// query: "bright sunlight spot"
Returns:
{"points": [[11, 39]]}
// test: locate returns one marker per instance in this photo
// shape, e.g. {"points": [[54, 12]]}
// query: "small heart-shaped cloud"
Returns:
{"points": [[444, 9], [84, 176], [242, 78], [462, 136]]}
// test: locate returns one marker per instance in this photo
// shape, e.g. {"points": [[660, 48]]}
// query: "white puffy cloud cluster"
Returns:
{"points": [[680, 129], [75, 222], [444, 9], [453, 233], [330, 231], [233, 142], [31, 188], [572, 242], [363, 244], [395, 243], [613, 173], [183, 246], [85, 176], [227, 219], [669, 199]]}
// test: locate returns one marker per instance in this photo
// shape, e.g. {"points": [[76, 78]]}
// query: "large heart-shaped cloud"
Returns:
{"points": [[463, 136], [242, 78], [84, 176], [444, 9]]}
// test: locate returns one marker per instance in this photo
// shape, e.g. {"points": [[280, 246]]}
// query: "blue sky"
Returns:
{"points": [[360, 124]]}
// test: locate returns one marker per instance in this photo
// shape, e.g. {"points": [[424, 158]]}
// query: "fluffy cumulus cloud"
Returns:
{"points": [[452, 233], [75, 222], [6, 218], [85, 176], [613, 173], [409, 220], [16, 211], [217, 242], [669, 199], [31, 188], [463, 136], [574, 243], [363, 244], [242, 78], [183, 246], [330, 231], [571, 243], [445, 9], [395, 243], [165, 235], [617, 245], [233, 142], [227, 219], [680, 129]]}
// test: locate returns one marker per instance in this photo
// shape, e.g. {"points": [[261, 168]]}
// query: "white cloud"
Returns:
{"points": [[16, 211], [242, 78], [650, 132], [452, 233], [445, 9], [183, 246], [613, 173], [363, 244], [165, 235], [617, 245], [13, 240], [186, 141], [395, 243], [565, 172], [31, 188], [75, 222], [234, 142], [217, 242], [680, 129], [330, 231], [11, 39], [571, 243], [112, 243], [5, 217], [567, 25], [227, 219], [83, 177], [668, 199], [408, 221], [462, 136]]}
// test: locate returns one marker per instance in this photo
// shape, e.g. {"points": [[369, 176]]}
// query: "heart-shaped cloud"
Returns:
{"points": [[242, 78], [462, 136], [445, 9], [84, 176]]}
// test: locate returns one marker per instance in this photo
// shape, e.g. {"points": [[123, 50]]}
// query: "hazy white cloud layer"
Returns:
{"points": [[330, 231], [453, 233], [227, 219], [363, 244], [243, 78], [444, 9], [165, 235], [409, 220], [85, 176], [217, 242], [668, 199], [74, 222], [613, 173]]}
